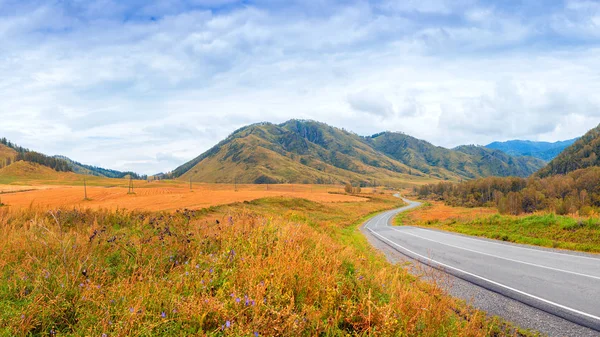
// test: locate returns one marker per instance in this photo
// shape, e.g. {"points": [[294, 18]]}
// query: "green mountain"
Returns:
{"points": [[466, 162], [80, 168], [585, 152], [542, 150], [311, 152]]}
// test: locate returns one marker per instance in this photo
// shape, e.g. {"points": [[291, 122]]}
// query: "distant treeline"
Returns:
{"points": [[51, 162], [35, 157], [578, 191]]}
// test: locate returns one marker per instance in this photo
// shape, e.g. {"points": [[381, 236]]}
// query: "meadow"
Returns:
{"points": [[271, 266], [161, 195], [540, 229]]}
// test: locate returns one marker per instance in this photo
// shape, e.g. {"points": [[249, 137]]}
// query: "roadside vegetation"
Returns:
{"points": [[543, 229], [273, 266]]}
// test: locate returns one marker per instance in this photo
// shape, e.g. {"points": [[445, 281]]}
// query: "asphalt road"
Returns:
{"points": [[560, 283]]}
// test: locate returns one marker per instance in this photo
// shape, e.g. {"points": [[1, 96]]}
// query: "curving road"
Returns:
{"points": [[561, 283]]}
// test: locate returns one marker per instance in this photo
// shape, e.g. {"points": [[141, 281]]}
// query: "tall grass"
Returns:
{"points": [[270, 267]]}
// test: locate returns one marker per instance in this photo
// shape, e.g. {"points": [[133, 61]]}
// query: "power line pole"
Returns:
{"points": [[190, 183], [85, 190], [130, 189]]}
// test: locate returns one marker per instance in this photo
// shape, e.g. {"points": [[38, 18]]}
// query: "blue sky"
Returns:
{"points": [[146, 86]]}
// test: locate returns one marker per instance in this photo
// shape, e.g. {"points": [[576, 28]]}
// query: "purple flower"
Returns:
{"points": [[255, 334], [163, 314], [227, 324], [104, 335], [237, 300], [131, 310]]}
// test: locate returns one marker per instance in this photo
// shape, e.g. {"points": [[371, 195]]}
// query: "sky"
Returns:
{"points": [[146, 86]]}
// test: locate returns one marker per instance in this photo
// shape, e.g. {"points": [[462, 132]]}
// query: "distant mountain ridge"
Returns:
{"points": [[11, 153], [542, 150], [313, 152], [584, 153], [98, 171]]}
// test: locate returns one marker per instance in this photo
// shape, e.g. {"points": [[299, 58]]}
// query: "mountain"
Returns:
{"points": [[585, 152], [466, 161], [98, 171], [295, 151], [302, 151], [542, 150]]}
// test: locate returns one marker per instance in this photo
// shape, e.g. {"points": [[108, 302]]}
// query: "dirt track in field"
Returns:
{"points": [[167, 198]]}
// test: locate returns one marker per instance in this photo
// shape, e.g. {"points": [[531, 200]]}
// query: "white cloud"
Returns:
{"points": [[117, 86]]}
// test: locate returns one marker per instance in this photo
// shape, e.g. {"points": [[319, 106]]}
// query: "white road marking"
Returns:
{"points": [[496, 256], [488, 280], [520, 247]]}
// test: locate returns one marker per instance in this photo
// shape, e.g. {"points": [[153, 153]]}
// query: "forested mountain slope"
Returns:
{"points": [[583, 153], [313, 152]]}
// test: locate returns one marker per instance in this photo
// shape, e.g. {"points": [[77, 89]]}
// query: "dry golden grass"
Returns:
{"points": [[275, 266], [438, 211], [154, 197]]}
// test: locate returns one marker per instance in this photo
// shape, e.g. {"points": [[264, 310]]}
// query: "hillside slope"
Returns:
{"points": [[585, 152], [312, 152], [80, 168], [7, 155], [468, 162], [542, 150], [296, 151]]}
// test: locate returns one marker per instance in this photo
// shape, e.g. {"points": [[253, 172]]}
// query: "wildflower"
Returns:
{"points": [[227, 324], [197, 266], [255, 334], [104, 335], [232, 295], [163, 314], [131, 310], [80, 284], [22, 316]]}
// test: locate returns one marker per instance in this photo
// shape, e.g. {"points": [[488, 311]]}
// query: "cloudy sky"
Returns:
{"points": [[146, 86]]}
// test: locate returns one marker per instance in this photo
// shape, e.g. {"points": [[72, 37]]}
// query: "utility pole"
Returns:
{"points": [[85, 190], [235, 184], [190, 183], [130, 189]]}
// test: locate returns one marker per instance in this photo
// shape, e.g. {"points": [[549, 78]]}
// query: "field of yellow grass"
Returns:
{"points": [[437, 211], [159, 196], [273, 266]]}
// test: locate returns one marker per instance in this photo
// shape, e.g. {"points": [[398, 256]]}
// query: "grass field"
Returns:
{"points": [[272, 266], [154, 197], [547, 230]]}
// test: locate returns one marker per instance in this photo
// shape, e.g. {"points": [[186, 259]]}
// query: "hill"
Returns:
{"points": [[313, 152], [583, 153], [467, 162], [542, 150], [7, 155], [80, 168]]}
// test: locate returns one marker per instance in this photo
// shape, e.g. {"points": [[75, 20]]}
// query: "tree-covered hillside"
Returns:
{"points": [[585, 152], [309, 151]]}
